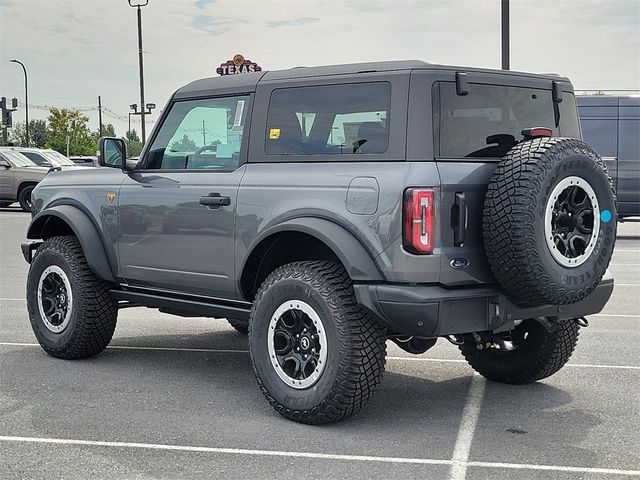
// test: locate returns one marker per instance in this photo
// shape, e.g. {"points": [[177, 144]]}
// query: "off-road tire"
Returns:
{"points": [[241, 326], [356, 343], [514, 221], [94, 311], [24, 197], [541, 355]]}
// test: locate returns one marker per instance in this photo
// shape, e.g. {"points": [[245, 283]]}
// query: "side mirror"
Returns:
{"points": [[112, 152], [4, 163], [45, 164]]}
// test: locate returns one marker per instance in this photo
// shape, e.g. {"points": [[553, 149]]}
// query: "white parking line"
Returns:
{"points": [[556, 468], [470, 416], [392, 358], [322, 456]]}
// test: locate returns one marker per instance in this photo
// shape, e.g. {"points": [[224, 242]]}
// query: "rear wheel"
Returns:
{"points": [[24, 197], [318, 357], [71, 311], [526, 354]]}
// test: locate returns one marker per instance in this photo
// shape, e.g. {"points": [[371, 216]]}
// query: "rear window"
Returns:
{"points": [[346, 119], [488, 121]]}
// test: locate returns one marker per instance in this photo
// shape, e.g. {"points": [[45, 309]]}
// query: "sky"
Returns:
{"points": [[75, 50]]}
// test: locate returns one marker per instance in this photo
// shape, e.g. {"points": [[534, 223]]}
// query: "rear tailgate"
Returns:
{"points": [[462, 193], [472, 132]]}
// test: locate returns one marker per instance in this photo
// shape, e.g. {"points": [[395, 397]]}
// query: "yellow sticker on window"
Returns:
{"points": [[274, 134]]}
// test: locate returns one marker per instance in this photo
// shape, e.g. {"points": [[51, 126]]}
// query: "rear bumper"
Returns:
{"points": [[432, 311]]}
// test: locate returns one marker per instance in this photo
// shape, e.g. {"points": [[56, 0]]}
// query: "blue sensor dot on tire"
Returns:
{"points": [[605, 216]]}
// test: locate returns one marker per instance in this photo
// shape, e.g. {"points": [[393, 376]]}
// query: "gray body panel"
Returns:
{"points": [[168, 240]]}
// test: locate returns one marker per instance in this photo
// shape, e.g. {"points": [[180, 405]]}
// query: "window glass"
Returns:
{"points": [[201, 134], [35, 158], [629, 139], [330, 120], [58, 157], [488, 121], [601, 134], [17, 159]]}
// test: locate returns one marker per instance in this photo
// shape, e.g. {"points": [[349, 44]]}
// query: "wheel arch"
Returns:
{"points": [[69, 220], [23, 184], [315, 239]]}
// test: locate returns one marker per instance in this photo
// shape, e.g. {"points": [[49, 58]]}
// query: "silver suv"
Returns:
{"points": [[18, 177]]}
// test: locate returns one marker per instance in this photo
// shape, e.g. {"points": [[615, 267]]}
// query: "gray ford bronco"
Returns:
{"points": [[325, 210]]}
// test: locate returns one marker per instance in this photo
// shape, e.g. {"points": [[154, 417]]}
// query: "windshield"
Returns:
{"points": [[17, 159], [57, 157]]}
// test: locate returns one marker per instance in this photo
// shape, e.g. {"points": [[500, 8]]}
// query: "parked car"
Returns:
{"points": [[611, 125], [18, 177], [46, 157], [395, 200]]}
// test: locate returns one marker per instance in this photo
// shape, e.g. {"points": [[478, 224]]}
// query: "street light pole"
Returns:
{"points": [[505, 34], [26, 99], [140, 63]]}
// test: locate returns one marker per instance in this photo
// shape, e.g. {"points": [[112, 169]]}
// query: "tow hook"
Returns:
{"points": [[581, 321]]}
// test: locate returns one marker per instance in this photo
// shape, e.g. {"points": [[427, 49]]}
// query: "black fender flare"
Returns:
{"points": [[84, 229], [357, 261]]}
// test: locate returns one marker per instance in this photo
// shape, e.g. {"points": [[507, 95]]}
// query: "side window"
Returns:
{"points": [[34, 157], [201, 134], [343, 119], [601, 134], [629, 139]]}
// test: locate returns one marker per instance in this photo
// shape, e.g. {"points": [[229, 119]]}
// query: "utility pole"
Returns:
{"points": [[99, 116], [26, 99], [141, 3], [204, 134], [505, 34]]}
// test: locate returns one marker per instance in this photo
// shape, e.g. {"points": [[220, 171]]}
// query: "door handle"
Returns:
{"points": [[459, 219], [214, 200]]}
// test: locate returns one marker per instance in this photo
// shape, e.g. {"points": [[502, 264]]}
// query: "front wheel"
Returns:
{"points": [[71, 310], [318, 357], [24, 197], [526, 354]]}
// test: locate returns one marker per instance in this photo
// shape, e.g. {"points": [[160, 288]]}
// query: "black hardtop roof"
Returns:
{"points": [[248, 81]]}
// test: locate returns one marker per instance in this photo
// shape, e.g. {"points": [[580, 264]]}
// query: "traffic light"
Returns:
{"points": [[7, 121]]}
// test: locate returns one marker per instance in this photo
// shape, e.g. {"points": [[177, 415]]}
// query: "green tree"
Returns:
{"points": [[37, 134], [70, 126], [184, 145], [108, 131], [132, 136], [134, 149]]}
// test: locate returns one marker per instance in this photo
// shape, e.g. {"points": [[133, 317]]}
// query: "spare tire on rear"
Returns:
{"points": [[549, 221]]}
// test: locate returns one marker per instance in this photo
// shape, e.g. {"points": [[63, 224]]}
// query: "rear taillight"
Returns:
{"points": [[419, 220]]}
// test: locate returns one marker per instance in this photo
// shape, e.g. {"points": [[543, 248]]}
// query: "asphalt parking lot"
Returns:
{"points": [[176, 398]]}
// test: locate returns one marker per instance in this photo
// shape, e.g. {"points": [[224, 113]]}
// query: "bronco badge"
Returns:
{"points": [[111, 196]]}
